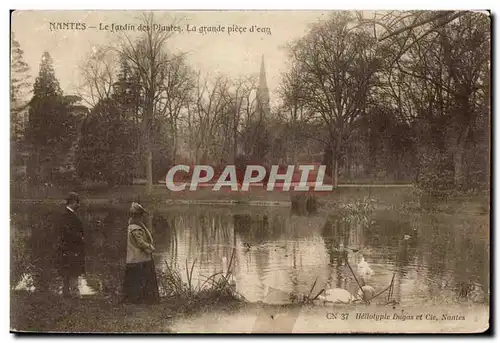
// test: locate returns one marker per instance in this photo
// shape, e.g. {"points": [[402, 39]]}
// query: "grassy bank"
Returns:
{"points": [[53, 313]]}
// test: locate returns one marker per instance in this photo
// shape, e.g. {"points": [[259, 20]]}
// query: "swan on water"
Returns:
{"points": [[364, 268], [366, 292], [342, 296], [344, 249], [412, 235], [337, 295]]}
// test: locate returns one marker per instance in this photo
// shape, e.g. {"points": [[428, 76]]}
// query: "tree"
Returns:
{"points": [[336, 66], [19, 82], [19, 96], [149, 56], [178, 90], [52, 128], [98, 74], [19, 88], [207, 114], [302, 128], [241, 107], [440, 77], [257, 140], [106, 149], [127, 92]]}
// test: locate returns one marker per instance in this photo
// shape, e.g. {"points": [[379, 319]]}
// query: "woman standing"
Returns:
{"points": [[140, 283]]}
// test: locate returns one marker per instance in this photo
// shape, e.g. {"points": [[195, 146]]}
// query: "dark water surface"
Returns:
{"points": [[277, 255]]}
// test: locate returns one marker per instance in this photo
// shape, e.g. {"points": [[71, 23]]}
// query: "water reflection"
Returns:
{"points": [[277, 254]]}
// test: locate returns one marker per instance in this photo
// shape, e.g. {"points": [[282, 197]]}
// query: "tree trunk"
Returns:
{"points": [[459, 168], [235, 138], [149, 144], [335, 166], [458, 160], [149, 185], [348, 167], [335, 161], [335, 171], [174, 136]]}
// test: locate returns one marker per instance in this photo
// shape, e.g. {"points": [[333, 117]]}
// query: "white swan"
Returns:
{"points": [[84, 288], [364, 268], [25, 284], [366, 292], [337, 295]]}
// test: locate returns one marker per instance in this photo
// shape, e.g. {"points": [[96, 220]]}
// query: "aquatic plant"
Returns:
{"points": [[358, 211], [214, 288], [309, 298]]}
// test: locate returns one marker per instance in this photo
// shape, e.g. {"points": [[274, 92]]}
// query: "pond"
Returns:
{"points": [[275, 255]]}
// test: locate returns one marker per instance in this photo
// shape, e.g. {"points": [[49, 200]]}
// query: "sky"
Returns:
{"points": [[236, 54]]}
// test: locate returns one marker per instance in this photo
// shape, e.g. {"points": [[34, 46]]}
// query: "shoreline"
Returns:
{"points": [[384, 199], [206, 195]]}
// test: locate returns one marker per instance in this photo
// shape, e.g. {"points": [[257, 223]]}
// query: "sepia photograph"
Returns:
{"points": [[250, 171]]}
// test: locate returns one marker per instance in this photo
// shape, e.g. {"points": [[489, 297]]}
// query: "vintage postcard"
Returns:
{"points": [[250, 171]]}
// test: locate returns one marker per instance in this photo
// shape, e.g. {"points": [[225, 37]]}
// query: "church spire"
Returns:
{"points": [[263, 106], [262, 78]]}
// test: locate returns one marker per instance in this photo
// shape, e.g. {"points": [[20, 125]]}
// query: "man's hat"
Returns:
{"points": [[137, 208]]}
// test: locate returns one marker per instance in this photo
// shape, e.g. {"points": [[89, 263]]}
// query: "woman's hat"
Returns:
{"points": [[137, 208]]}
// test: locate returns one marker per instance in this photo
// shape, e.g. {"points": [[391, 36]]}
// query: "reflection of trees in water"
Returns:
{"points": [[212, 235], [43, 253], [257, 229], [384, 235], [165, 234], [450, 247], [252, 229], [335, 234], [439, 243], [454, 256], [106, 233], [253, 232], [338, 234], [105, 244], [387, 232], [384, 231], [471, 261], [205, 236], [20, 254], [403, 256], [335, 230]]}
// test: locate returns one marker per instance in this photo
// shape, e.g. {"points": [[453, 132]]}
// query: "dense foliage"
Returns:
{"points": [[393, 97]]}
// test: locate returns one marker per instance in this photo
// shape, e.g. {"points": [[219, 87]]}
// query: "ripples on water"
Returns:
{"points": [[277, 255]]}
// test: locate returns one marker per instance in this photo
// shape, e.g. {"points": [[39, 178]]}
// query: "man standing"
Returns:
{"points": [[72, 253]]}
